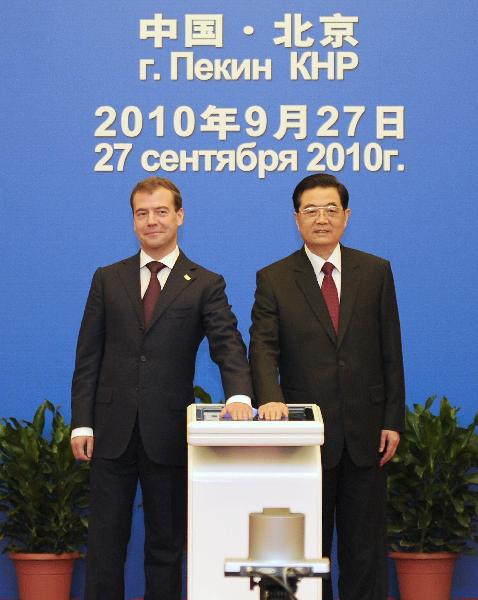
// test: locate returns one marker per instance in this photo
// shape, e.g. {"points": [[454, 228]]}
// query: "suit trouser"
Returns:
{"points": [[113, 486], [356, 497]]}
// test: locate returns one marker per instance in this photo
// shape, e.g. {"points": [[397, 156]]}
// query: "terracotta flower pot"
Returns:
{"points": [[44, 576], [424, 576]]}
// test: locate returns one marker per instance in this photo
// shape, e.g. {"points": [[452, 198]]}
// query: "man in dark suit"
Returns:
{"points": [[325, 329], [143, 322]]}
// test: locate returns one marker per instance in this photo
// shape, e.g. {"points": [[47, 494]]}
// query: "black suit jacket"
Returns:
{"points": [[124, 370], [356, 377]]}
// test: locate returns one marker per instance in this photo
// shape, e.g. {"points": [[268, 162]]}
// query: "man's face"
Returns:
{"points": [[321, 231], [156, 222]]}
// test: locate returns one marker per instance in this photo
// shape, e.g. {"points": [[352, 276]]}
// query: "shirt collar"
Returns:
{"points": [[169, 260], [318, 262]]}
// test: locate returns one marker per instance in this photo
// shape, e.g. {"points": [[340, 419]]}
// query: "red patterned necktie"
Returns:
{"points": [[331, 297], [151, 296]]}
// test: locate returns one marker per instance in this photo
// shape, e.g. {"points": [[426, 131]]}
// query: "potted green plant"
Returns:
{"points": [[432, 499], [43, 495]]}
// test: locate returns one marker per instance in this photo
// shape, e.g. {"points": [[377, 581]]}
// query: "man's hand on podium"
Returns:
{"points": [[238, 411], [273, 411]]}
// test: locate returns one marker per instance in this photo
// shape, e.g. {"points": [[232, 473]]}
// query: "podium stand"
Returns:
{"points": [[240, 467]]}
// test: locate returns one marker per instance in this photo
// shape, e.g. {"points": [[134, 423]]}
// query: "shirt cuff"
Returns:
{"points": [[81, 431], [240, 398]]}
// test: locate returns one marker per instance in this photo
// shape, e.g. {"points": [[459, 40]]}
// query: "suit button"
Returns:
{"points": [[141, 329], [342, 363], [142, 358]]}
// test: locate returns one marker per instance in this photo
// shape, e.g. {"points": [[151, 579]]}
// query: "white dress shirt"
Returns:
{"points": [[317, 263], [145, 275]]}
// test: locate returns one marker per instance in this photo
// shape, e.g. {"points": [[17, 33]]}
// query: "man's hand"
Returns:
{"points": [[82, 447], [239, 411], [389, 441], [273, 411]]}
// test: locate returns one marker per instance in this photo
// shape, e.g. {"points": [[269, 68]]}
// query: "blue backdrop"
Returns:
{"points": [[61, 218]]}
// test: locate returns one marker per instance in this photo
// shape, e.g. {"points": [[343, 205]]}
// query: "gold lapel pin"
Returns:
{"points": [[187, 278]]}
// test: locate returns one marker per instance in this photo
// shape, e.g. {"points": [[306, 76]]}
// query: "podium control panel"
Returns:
{"points": [[211, 412], [303, 427]]}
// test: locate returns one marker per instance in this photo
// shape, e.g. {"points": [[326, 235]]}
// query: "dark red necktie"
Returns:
{"points": [[331, 297], [151, 296]]}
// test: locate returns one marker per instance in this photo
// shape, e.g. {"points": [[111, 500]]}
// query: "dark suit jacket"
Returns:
{"points": [[356, 378], [124, 370]]}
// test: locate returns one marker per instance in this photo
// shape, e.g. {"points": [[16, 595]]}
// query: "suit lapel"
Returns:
{"points": [[349, 283], [181, 276], [307, 282], [129, 275]]}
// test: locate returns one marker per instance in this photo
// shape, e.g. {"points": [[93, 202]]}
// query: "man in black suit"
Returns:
{"points": [[132, 383], [325, 329]]}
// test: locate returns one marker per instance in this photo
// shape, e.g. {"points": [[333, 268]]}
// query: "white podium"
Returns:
{"points": [[240, 467]]}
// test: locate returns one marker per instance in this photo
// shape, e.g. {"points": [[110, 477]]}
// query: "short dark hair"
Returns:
{"points": [[323, 180], [151, 184]]}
